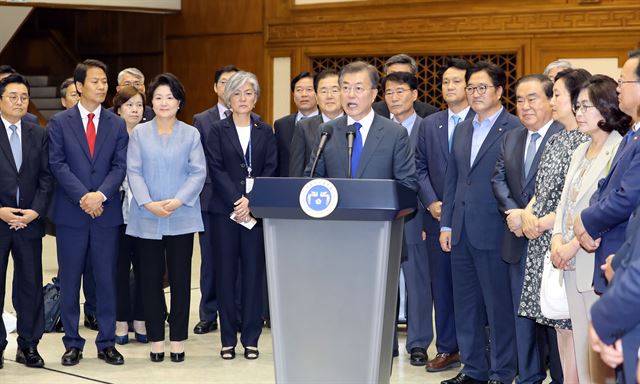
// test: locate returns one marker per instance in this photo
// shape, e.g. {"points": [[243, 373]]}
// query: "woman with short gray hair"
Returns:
{"points": [[239, 148]]}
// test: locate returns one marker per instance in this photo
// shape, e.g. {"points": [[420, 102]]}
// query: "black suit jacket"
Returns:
{"points": [[33, 178], [422, 109], [305, 135], [510, 187], [284, 128], [226, 161]]}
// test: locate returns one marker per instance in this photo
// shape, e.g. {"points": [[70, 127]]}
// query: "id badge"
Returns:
{"points": [[249, 184]]}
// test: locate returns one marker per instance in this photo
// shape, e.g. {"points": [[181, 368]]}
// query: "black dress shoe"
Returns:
{"points": [[156, 357], [91, 322], [251, 353], [111, 356], [29, 357], [205, 326], [463, 379], [72, 356], [418, 357], [177, 357]]}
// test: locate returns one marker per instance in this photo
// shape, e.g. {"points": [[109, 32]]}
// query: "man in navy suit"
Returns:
{"points": [[87, 156], [400, 91], [619, 193], [25, 188], [203, 121], [5, 71], [432, 154], [403, 63], [304, 96], [514, 186], [615, 315], [615, 328], [472, 230], [385, 151]]}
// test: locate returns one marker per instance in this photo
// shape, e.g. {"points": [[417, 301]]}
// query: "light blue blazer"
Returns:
{"points": [[160, 169]]}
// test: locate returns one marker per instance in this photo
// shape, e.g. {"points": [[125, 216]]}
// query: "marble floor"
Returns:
{"points": [[202, 363]]}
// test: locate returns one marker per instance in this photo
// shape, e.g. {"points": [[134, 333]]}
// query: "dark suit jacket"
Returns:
{"points": [[468, 196], [432, 157], [226, 161], [203, 122], [611, 205], [33, 178], [284, 128], [413, 224], [77, 173], [422, 109], [305, 134], [386, 154], [511, 188], [31, 118], [615, 315]]}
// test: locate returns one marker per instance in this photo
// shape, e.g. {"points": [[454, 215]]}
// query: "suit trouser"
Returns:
{"points": [[442, 290], [239, 248], [481, 293], [591, 369], [418, 284], [128, 308], [208, 300], [89, 289], [27, 287], [531, 367], [177, 251], [74, 247]]}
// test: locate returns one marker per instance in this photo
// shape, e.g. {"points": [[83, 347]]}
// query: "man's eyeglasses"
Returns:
{"points": [[482, 89], [14, 98], [620, 82], [399, 92]]}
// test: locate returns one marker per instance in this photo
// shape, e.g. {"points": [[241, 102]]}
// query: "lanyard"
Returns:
{"points": [[249, 152]]}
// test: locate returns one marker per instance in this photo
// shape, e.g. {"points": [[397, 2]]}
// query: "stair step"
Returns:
{"points": [[47, 113], [38, 81], [47, 103], [40, 92]]}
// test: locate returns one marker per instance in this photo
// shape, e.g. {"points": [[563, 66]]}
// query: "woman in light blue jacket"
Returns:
{"points": [[166, 170]]}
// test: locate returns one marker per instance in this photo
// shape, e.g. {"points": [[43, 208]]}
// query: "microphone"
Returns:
{"points": [[325, 135], [351, 136]]}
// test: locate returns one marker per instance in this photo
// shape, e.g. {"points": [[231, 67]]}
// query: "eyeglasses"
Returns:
{"points": [[358, 89], [329, 91], [581, 107], [399, 92], [482, 89], [13, 97], [135, 84], [620, 82]]}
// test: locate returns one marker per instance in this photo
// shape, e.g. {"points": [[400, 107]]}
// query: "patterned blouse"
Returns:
{"points": [[552, 170]]}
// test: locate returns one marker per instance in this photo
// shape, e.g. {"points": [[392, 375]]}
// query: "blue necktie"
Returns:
{"points": [[16, 149], [456, 119], [531, 153], [357, 150]]}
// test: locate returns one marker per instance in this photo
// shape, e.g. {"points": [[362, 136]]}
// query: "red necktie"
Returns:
{"points": [[91, 133]]}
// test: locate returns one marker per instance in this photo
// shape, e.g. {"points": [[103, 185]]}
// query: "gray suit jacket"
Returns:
{"points": [[386, 154], [305, 134], [597, 170]]}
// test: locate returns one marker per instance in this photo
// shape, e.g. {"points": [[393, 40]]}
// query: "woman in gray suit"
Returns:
{"points": [[598, 116]]}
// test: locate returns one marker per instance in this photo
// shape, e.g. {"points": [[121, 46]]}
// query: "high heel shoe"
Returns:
{"points": [[140, 338], [177, 357], [251, 353], [157, 357], [122, 340], [228, 354]]}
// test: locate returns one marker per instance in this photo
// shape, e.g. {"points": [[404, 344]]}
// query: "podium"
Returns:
{"points": [[333, 281]]}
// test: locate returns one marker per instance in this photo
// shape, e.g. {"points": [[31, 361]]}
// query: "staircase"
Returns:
{"points": [[44, 96]]}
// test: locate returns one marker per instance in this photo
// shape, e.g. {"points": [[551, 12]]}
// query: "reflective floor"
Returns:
{"points": [[202, 364]]}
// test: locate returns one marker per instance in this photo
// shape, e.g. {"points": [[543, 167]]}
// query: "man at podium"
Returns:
{"points": [[380, 147]]}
